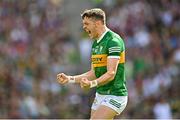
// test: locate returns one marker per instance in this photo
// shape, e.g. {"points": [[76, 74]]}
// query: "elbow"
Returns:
{"points": [[111, 75]]}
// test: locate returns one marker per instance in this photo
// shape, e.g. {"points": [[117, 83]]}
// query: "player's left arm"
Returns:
{"points": [[112, 64], [114, 49]]}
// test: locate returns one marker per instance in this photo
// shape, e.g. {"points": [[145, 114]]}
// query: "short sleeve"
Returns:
{"points": [[115, 47]]}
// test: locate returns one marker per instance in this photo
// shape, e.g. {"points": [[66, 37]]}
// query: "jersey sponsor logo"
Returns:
{"points": [[101, 59], [115, 103]]}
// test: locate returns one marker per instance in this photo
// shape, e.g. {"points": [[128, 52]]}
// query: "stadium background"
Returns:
{"points": [[40, 38]]}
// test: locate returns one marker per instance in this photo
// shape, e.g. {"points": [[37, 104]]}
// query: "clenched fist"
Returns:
{"points": [[62, 78], [85, 83]]}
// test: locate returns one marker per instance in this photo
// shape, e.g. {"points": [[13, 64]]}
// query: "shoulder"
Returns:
{"points": [[114, 38]]}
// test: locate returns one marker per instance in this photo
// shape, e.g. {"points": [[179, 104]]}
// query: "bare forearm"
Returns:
{"points": [[89, 75], [111, 72], [107, 77]]}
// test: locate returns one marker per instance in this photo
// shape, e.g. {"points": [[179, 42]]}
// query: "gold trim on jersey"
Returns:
{"points": [[101, 59], [122, 57]]}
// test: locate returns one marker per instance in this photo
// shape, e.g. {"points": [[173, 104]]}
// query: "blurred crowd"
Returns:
{"points": [[35, 45], [151, 30]]}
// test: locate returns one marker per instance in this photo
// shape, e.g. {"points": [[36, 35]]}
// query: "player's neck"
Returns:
{"points": [[101, 30]]}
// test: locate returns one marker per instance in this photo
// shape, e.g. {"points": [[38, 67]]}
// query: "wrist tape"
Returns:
{"points": [[71, 79], [93, 83]]}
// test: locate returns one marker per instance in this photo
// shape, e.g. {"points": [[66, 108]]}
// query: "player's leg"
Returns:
{"points": [[92, 112], [97, 100], [110, 107], [103, 112]]}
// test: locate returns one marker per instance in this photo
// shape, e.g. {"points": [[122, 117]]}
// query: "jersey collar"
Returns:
{"points": [[98, 40]]}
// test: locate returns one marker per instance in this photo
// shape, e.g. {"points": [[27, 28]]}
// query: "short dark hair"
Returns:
{"points": [[95, 13]]}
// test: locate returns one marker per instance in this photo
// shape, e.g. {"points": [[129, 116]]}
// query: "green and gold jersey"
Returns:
{"points": [[111, 45]]}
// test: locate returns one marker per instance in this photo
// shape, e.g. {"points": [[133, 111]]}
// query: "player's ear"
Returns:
{"points": [[97, 22]]}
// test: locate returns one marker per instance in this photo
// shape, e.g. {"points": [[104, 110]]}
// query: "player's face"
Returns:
{"points": [[89, 25]]}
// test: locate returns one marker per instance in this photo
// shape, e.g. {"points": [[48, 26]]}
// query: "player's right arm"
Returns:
{"points": [[63, 78], [89, 75]]}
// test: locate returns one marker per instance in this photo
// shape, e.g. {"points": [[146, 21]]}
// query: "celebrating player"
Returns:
{"points": [[107, 72]]}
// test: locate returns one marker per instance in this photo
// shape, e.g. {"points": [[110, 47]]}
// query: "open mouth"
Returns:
{"points": [[89, 32]]}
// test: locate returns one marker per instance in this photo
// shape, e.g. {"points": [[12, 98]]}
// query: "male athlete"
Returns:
{"points": [[107, 73]]}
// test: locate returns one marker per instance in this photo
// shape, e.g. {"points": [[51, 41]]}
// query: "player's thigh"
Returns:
{"points": [[92, 112], [103, 112]]}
